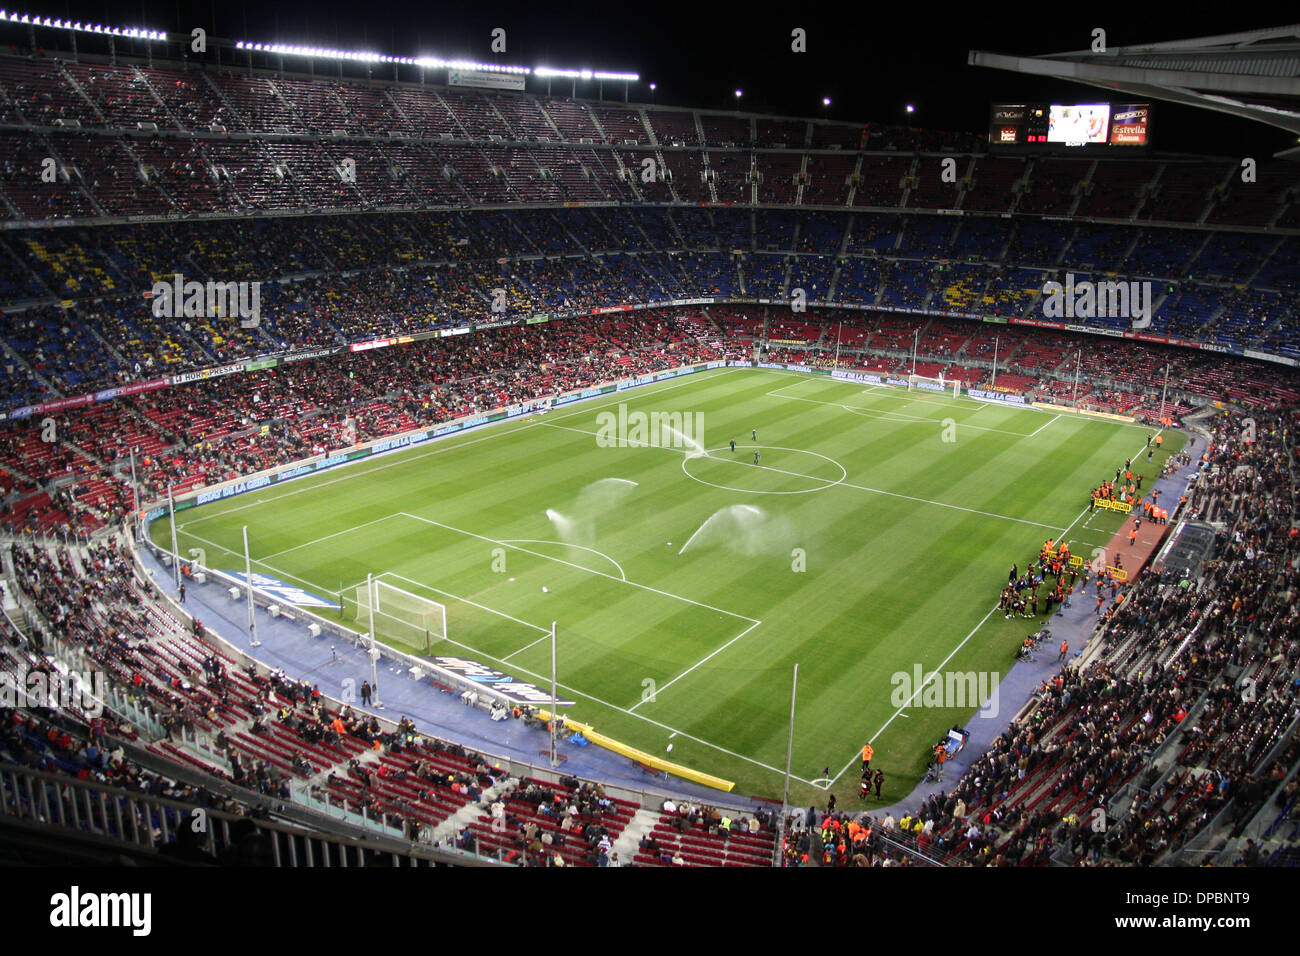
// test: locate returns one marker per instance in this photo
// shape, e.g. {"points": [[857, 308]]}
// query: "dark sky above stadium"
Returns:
{"points": [[871, 59]]}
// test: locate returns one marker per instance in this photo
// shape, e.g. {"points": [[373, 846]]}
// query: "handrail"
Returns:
{"points": [[147, 822]]}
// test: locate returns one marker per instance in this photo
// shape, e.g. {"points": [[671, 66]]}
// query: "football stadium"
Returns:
{"points": [[462, 457]]}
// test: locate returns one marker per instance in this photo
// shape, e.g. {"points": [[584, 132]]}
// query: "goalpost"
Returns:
{"points": [[941, 384], [400, 615]]}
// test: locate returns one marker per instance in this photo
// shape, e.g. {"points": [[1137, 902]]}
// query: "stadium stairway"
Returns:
{"points": [[464, 818], [629, 841]]}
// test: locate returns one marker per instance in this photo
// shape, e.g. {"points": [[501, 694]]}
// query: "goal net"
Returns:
{"points": [[400, 615], [926, 384]]}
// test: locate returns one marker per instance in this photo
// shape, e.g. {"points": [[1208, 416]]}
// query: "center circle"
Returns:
{"points": [[825, 482]]}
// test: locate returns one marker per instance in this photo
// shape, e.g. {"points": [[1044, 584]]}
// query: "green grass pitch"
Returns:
{"points": [[873, 536]]}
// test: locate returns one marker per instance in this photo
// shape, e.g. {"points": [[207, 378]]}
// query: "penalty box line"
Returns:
{"points": [[753, 622], [288, 576], [886, 391], [903, 417], [579, 567], [878, 414]]}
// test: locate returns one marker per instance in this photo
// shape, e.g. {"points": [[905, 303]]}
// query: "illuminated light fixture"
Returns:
{"points": [[654, 86], [588, 75], [438, 63], [285, 49], [739, 93], [911, 108], [133, 33], [826, 101], [429, 62]]}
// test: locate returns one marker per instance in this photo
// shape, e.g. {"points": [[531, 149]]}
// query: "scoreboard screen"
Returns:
{"points": [[1057, 125]]}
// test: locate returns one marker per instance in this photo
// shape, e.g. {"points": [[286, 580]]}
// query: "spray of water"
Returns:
{"points": [[684, 440], [603, 495], [564, 527], [744, 529], [594, 502]]}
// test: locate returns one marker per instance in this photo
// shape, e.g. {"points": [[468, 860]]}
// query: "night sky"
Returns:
{"points": [[871, 64]]}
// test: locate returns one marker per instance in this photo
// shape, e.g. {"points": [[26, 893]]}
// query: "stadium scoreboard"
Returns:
{"points": [[1061, 125]]}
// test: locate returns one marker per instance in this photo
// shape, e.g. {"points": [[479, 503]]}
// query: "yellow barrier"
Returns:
{"points": [[640, 756], [1119, 574], [676, 769], [1076, 561], [1107, 504], [1083, 411]]}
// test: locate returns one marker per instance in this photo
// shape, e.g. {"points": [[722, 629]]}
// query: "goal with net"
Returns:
{"points": [[927, 384], [400, 615]]}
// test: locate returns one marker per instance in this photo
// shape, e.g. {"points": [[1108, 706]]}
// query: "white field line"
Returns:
{"points": [[441, 446], [902, 417], [1039, 428], [663, 687], [827, 481], [326, 537], [544, 637], [885, 725], [463, 600], [872, 738], [566, 544], [544, 678]]}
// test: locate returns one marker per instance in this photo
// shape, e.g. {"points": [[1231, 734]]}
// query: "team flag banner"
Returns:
{"points": [[1121, 506]]}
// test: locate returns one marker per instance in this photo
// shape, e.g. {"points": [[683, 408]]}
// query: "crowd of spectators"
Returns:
{"points": [[216, 429]]}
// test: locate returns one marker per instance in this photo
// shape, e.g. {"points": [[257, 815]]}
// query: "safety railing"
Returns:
{"points": [[47, 802]]}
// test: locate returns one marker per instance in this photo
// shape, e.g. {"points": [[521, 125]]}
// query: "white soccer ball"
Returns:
{"points": [[545, 590]]}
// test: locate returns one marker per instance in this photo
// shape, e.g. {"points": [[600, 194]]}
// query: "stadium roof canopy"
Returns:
{"points": [[1254, 74]]}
